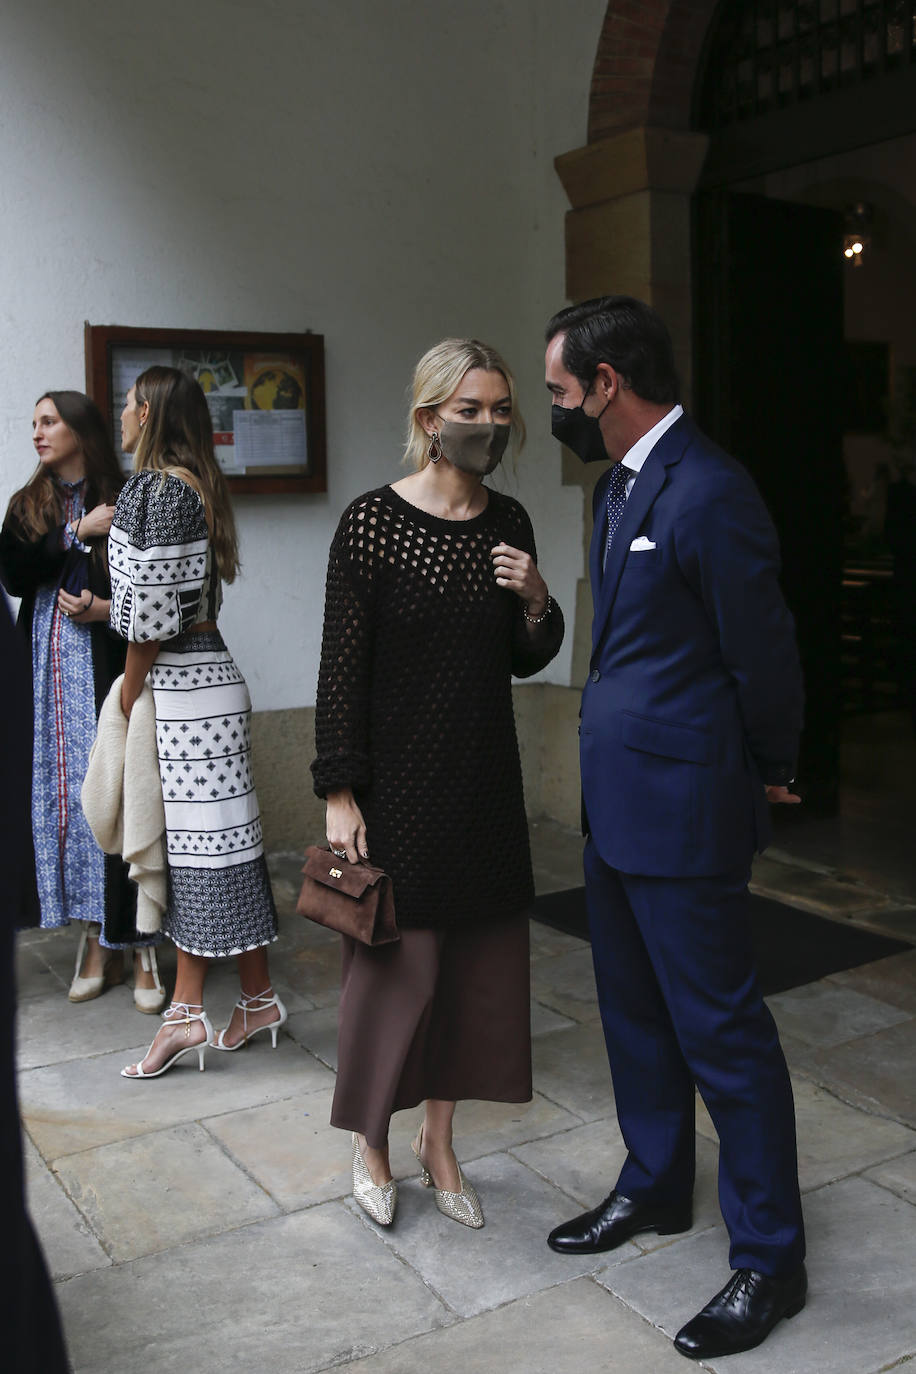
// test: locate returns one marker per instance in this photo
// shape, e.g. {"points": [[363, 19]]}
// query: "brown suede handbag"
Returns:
{"points": [[354, 899]]}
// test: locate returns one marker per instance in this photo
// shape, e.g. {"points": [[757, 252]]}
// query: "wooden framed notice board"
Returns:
{"points": [[265, 393]]}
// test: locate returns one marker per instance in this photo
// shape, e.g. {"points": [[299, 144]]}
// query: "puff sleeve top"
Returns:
{"points": [[162, 578]]}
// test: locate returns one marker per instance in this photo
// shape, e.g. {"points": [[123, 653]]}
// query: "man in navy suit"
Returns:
{"points": [[690, 723]]}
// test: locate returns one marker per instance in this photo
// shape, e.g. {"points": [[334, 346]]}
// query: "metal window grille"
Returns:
{"points": [[768, 54]]}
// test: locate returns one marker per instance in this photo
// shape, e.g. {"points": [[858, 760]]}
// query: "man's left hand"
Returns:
{"points": [[778, 795]]}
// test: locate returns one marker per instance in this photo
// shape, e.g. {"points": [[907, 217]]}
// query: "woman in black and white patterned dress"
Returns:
{"points": [[172, 544]]}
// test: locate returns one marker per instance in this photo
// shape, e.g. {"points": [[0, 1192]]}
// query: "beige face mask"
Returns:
{"points": [[473, 448]]}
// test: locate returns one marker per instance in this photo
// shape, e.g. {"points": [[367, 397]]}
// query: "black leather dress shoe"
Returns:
{"points": [[616, 1220], [743, 1314]]}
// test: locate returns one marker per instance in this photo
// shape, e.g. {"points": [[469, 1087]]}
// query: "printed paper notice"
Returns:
{"points": [[270, 439]]}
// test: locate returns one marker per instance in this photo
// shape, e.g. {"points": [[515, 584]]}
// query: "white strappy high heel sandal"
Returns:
{"points": [[149, 1000], [174, 1015], [259, 1002]]}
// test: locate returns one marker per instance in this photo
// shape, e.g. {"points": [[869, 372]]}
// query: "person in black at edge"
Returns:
{"points": [[34, 1342]]}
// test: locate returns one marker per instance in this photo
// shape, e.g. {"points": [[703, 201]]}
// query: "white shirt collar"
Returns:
{"points": [[637, 455]]}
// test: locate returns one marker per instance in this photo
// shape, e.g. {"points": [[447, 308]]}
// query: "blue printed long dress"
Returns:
{"points": [[73, 665]]}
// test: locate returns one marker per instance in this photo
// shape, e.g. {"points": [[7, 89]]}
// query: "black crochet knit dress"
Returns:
{"points": [[414, 708]]}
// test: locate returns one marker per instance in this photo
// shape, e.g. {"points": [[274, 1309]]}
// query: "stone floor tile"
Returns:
{"points": [[811, 891], [825, 1014], [861, 1311], [899, 1175], [573, 1327], [480, 1128], [897, 922], [567, 984], [35, 936], [834, 1139], [870, 1072], [571, 1068], [291, 1295], [547, 943], [293, 1000], [797, 1052], [66, 1238], [316, 1031], [582, 1162], [52, 1030], [476, 1270], [891, 980], [34, 975], [300, 1159], [77, 1106], [277, 1293], [543, 1019], [312, 970], [289, 1148], [160, 1190], [585, 1161]]}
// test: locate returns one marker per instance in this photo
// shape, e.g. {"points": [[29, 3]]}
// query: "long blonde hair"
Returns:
{"points": [[177, 438], [438, 375]]}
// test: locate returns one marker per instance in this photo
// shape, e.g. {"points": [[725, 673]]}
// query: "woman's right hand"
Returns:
{"points": [[345, 827], [96, 522]]}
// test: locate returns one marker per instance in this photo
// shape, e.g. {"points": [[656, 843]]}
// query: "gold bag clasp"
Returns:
{"points": [[336, 873]]}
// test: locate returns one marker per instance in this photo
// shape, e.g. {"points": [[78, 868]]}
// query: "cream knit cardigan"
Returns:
{"points": [[122, 799]]}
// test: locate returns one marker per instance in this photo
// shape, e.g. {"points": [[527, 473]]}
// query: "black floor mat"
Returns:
{"points": [[793, 947]]}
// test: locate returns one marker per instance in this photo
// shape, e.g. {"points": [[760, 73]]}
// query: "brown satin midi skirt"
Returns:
{"points": [[442, 1014]]}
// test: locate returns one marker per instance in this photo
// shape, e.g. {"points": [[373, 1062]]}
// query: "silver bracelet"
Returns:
{"points": [[537, 619]]}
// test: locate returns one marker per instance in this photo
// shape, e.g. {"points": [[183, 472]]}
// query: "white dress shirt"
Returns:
{"points": [[635, 457]]}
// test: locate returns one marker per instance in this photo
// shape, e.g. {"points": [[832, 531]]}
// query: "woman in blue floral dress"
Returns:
{"points": [[53, 554]]}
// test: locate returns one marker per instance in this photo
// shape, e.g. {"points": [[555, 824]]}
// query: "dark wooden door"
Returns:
{"points": [[769, 359]]}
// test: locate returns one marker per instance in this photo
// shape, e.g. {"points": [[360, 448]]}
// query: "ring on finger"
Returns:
{"points": [[340, 853]]}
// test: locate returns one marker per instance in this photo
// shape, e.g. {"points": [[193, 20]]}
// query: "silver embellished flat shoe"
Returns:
{"points": [[463, 1206], [378, 1202]]}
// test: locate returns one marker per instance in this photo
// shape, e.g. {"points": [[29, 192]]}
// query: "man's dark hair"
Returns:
{"points": [[624, 332]]}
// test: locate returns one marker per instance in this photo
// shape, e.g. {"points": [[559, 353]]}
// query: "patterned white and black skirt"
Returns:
{"points": [[219, 897]]}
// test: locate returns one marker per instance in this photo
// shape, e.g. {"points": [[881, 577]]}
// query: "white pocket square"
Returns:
{"points": [[641, 544]]}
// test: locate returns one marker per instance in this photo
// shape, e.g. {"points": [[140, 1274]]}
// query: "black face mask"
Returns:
{"points": [[580, 432]]}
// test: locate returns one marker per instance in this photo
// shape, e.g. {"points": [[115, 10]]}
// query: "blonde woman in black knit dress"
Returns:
{"points": [[434, 603]]}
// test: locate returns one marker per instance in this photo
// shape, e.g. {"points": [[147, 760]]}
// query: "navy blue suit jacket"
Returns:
{"points": [[694, 697]]}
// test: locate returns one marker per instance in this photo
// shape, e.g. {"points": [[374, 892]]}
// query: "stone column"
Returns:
{"points": [[629, 233]]}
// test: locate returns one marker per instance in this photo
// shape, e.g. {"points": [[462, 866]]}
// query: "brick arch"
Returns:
{"points": [[646, 64]]}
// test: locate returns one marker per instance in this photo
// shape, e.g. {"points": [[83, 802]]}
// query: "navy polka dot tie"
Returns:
{"points": [[616, 500]]}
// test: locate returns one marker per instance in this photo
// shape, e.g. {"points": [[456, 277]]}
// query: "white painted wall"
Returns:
{"points": [[380, 171]]}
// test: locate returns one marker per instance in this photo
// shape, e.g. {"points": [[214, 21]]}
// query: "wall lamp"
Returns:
{"points": [[858, 231]]}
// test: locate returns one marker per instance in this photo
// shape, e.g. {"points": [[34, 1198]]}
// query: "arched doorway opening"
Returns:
{"points": [[807, 107], [804, 110]]}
